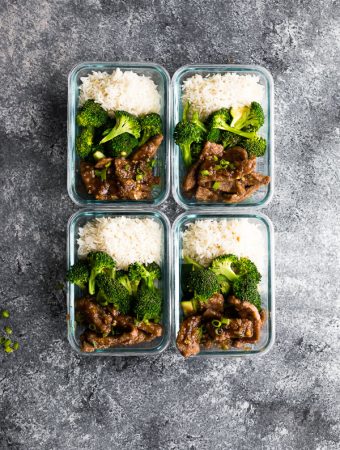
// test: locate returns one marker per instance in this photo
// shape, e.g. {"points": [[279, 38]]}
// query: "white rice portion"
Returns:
{"points": [[212, 92], [127, 91], [126, 239], [204, 240]]}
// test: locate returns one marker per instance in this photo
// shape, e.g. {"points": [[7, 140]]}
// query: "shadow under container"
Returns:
{"points": [[267, 289], [75, 187], [78, 220], [265, 164]]}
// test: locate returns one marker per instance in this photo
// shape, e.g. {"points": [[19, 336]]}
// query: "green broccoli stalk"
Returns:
{"points": [[91, 115], [99, 262], [113, 292], [79, 274], [255, 147], [84, 142], [247, 118], [195, 119], [220, 120], [151, 125], [195, 264], [190, 307], [148, 304], [203, 283], [148, 273], [125, 123], [122, 145]]}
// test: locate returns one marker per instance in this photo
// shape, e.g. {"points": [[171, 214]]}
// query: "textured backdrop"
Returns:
{"points": [[53, 399]]}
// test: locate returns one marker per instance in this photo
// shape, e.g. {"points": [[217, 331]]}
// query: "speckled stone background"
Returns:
{"points": [[53, 399]]}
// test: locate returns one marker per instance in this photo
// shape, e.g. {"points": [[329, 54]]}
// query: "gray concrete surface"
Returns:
{"points": [[53, 399]]}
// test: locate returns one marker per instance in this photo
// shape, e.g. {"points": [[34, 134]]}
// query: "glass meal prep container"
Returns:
{"points": [[78, 220], [76, 189], [265, 164], [266, 287]]}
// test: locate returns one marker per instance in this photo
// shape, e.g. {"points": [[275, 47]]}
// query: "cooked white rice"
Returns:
{"points": [[127, 91], [210, 93], [205, 239], [126, 239]]}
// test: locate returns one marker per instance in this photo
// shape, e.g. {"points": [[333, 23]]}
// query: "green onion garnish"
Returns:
{"points": [[204, 172], [216, 185]]}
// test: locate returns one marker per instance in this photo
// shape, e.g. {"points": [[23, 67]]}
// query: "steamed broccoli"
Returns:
{"points": [[185, 134], [194, 263], [84, 142], [213, 135], [195, 119], [99, 261], [196, 149], [232, 267], [125, 123], [148, 273], [91, 115], [113, 292], [122, 145], [224, 284], [151, 124], [255, 147], [78, 274], [247, 118], [203, 283], [229, 139], [123, 279], [245, 289], [148, 304], [221, 118]]}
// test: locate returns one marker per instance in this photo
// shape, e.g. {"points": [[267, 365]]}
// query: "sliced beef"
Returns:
{"points": [[91, 182], [235, 154], [213, 308], [148, 150], [211, 150], [189, 336], [190, 180], [204, 194], [94, 314], [102, 163], [248, 311]]}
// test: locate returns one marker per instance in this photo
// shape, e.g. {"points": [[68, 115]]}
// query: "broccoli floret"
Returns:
{"points": [[232, 267], [223, 265], [229, 139], [151, 124], [91, 115], [247, 118], [245, 289], [122, 145], [148, 305], [123, 279], [221, 118], [125, 123], [255, 147], [78, 274], [213, 135], [148, 273], [114, 292], [185, 134], [99, 261], [224, 284], [196, 149], [203, 283], [84, 142]]}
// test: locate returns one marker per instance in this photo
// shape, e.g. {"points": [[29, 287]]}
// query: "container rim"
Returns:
{"points": [[163, 345], [271, 240], [175, 189], [167, 120]]}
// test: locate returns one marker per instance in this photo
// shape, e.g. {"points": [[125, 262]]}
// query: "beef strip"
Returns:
{"points": [[210, 150], [150, 328], [94, 314], [148, 150], [188, 338], [91, 182], [213, 308], [204, 194], [235, 154], [248, 311], [190, 180], [102, 163]]}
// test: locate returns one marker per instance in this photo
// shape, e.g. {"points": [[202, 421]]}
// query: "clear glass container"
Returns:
{"points": [[267, 288], [75, 187], [78, 220], [265, 165]]}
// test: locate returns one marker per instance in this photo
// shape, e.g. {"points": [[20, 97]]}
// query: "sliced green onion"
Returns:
{"points": [[215, 158], [127, 167], [8, 349], [218, 331], [204, 172], [216, 185], [139, 177], [16, 346], [216, 323], [224, 163], [7, 342], [225, 321], [5, 314], [217, 167], [92, 327], [8, 330]]}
